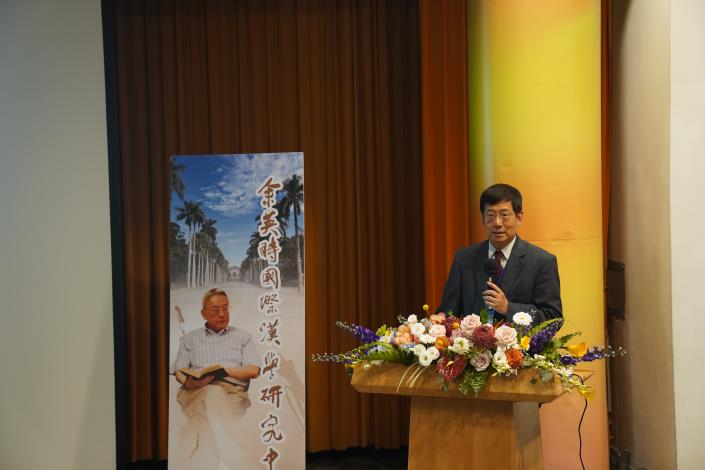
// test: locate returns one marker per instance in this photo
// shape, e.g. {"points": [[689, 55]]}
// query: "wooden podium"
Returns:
{"points": [[497, 429]]}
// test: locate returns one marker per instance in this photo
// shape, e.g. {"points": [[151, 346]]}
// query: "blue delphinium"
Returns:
{"points": [[364, 335], [540, 339], [594, 354]]}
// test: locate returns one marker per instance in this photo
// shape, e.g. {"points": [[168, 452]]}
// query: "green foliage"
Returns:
{"points": [[382, 330], [563, 340], [484, 316], [388, 353], [473, 380], [551, 349], [551, 354]]}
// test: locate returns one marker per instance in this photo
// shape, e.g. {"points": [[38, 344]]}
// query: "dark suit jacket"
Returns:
{"points": [[530, 282]]}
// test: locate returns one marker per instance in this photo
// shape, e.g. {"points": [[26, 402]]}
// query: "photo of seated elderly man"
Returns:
{"points": [[215, 402]]}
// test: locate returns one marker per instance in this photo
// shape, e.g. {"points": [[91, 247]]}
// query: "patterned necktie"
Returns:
{"points": [[498, 257]]}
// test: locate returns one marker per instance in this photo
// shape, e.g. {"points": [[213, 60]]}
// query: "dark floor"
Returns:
{"points": [[367, 458]]}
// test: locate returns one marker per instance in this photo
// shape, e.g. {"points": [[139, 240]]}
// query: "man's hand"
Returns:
{"points": [[495, 298], [243, 373], [192, 383]]}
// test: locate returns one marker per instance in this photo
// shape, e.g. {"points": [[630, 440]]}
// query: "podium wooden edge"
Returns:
{"points": [[400, 379]]}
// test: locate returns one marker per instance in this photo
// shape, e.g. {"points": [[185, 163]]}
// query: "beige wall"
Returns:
{"points": [[687, 165], [56, 340], [643, 396], [657, 229]]}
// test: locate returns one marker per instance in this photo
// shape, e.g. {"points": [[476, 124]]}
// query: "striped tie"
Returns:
{"points": [[498, 257]]}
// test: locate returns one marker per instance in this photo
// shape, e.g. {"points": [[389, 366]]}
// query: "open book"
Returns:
{"points": [[215, 370]]}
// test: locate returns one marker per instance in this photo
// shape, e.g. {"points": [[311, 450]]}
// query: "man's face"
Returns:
{"points": [[500, 223], [216, 312]]}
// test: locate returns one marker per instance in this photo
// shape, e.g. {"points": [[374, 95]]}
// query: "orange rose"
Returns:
{"points": [[437, 319], [402, 338], [514, 357]]}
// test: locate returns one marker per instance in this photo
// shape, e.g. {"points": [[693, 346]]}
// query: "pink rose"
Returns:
{"points": [[481, 361], [437, 330], [506, 335], [468, 325]]}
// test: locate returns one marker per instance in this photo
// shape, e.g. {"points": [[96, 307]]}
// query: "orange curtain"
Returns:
{"points": [[447, 208], [338, 80]]}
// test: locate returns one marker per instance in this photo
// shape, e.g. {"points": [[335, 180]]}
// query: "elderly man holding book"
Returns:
{"points": [[214, 366]]}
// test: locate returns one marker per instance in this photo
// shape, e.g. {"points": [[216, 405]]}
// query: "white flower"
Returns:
{"points": [[425, 359], [500, 358], [427, 339], [460, 345], [468, 325], [418, 349], [506, 335], [433, 352], [437, 330], [522, 319], [386, 338], [411, 320], [417, 329], [481, 361]]}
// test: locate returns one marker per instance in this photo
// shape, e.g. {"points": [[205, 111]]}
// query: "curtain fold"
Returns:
{"points": [[338, 80], [444, 70]]}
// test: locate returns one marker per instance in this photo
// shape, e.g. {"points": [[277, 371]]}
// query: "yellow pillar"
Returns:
{"points": [[534, 122]]}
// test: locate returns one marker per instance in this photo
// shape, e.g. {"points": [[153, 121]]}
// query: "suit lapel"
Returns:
{"points": [[478, 267], [515, 264]]}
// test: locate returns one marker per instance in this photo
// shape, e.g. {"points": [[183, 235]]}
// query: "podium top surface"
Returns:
{"points": [[398, 379]]}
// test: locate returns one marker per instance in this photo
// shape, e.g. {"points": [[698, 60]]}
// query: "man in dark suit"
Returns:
{"points": [[527, 276]]}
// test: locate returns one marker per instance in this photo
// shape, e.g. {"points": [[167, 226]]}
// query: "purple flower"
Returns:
{"points": [[594, 354], [364, 335], [569, 360], [540, 339]]}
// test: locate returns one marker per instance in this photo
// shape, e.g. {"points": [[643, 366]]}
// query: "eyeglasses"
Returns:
{"points": [[224, 309], [503, 216]]}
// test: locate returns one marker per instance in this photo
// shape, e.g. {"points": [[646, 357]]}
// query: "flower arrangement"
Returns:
{"points": [[469, 350]]}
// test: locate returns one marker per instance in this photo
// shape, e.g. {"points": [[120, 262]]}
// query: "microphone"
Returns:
{"points": [[491, 271]]}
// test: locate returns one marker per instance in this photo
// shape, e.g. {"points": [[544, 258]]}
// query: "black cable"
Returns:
{"points": [[580, 423]]}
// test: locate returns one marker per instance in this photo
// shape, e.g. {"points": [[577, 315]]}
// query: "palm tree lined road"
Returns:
{"points": [[293, 190], [198, 254]]}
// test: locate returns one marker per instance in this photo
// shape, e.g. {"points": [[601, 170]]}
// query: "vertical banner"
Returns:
{"points": [[236, 254]]}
